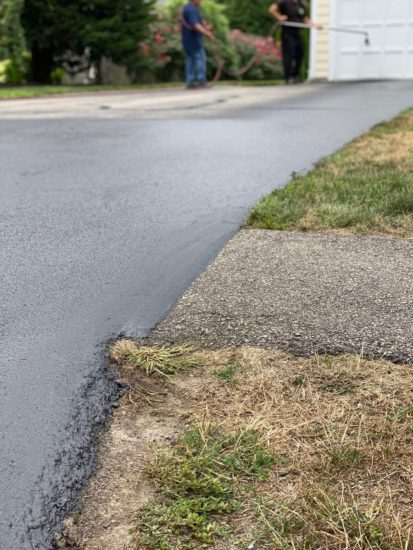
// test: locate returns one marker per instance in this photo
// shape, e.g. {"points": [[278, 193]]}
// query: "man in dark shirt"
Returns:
{"points": [[193, 31], [291, 11]]}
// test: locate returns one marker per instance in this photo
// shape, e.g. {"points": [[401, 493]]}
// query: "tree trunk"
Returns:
{"points": [[99, 77], [42, 64]]}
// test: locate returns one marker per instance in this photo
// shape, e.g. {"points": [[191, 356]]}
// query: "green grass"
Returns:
{"points": [[367, 187], [19, 92], [342, 458], [229, 373], [203, 481], [16, 92], [275, 82]]}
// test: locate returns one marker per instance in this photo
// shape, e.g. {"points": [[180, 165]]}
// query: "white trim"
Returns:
{"points": [[332, 41], [313, 42]]}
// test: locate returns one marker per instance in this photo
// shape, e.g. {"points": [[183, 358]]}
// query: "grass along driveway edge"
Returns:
{"points": [[365, 188], [31, 91]]}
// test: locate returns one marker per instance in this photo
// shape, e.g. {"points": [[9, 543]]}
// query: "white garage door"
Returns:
{"points": [[390, 26]]}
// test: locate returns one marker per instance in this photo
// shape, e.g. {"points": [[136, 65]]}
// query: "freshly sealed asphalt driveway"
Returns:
{"points": [[109, 207]]}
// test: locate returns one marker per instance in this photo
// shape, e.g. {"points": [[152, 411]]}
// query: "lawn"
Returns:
{"points": [[255, 449], [366, 188], [16, 92]]}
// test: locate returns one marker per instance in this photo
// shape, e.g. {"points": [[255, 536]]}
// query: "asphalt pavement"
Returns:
{"points": [[110, 205]]}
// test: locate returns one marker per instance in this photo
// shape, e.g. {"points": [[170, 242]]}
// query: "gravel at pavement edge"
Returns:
{"points": [[302, 293]]}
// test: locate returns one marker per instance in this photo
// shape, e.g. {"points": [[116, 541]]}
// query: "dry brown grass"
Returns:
{"points": [[345, 427], [340, 429], [397, 149], [389, 143]]}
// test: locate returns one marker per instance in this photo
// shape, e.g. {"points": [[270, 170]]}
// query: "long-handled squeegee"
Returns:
{"points": [[333, 29], [220, 65]]}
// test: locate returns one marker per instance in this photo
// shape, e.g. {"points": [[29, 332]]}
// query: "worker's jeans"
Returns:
{"points": [[195, 67]]}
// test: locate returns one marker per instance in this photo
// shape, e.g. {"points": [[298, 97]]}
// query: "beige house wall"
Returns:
{"points": [[322, 14]]}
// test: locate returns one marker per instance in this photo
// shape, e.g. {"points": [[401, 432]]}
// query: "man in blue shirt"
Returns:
{"points": [[193, 31]]}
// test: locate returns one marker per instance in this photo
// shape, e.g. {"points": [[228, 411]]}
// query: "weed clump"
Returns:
{"points": [[155, 360], [202, 481]]}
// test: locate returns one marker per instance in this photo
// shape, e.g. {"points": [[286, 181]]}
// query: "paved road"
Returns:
{"points": [[109, 207]]}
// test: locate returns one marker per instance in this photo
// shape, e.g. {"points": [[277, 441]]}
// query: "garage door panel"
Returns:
{"points": [[376, 38], [350, 11], [394, 65], [370, 66], [390, 27], [395, 37], [409, 36], [347, 66], [397, 9], [410, 65], [371, 10]]}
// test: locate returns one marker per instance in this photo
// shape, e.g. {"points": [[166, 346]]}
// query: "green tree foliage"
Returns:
{"points": [[108, 27], [52, 27], [12, 42], [114, 28], [249, 15]]}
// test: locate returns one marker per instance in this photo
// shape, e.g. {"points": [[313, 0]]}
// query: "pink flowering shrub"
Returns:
{"points": [[268, 63], [160, 55]]}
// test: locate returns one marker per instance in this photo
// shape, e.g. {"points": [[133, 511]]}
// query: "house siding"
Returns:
{"points": [[322, 14]]}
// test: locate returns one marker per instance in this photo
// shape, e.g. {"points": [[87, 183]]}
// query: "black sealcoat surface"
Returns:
{"points": [[104, 222]]}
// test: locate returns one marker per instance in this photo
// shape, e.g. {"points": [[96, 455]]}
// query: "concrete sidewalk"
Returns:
{"points": [[303, 293], [155, 104]]}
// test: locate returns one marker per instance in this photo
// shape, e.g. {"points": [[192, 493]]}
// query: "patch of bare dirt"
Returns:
{"points": [[151, 413]]}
